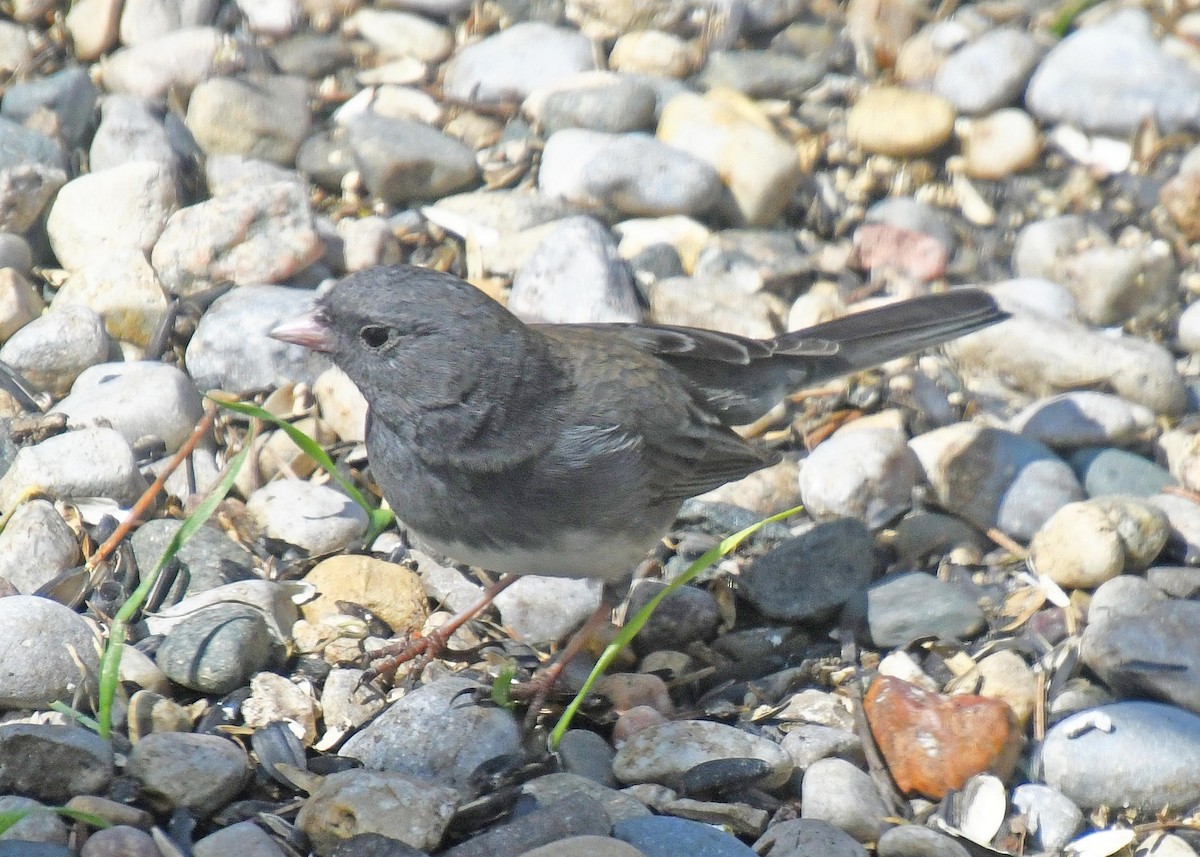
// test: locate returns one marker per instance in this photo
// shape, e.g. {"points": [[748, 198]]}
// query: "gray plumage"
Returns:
{"points": [[567, 449]]}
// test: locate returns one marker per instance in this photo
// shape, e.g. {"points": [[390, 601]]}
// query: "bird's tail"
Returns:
{"points": [[871, 337]]}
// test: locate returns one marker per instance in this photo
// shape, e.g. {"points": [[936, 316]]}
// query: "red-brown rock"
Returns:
{"points": [[933, 742]]}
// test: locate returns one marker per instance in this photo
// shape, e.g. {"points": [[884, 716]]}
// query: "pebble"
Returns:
{"points": [[1000, 144], [389, 591], [922, 533], [990, 72], [575, 275], [1117, 471], [807, 743], [911, 840], [514, 62], [576, 815], [995, 478], [664, 752], [1005, 676], [730, 133], [767, 492], [230, 349], [1051, 817], [811, 576], [807, 837], [933, 743], [314, 517], [685, 615], [836, 791], [868, 474], [402, 161], [68, 94], [33, 169], [216, 650], [544, 609], [585, 754], [176, 60], [1182, 449], [684, 235], [1184, 519], [1188, 331], [245, 838], [206, 560], [261, 116], [1131, 631], [77, 465], [663, 836], [36, 833], [273, 18], [343, 407], [595, 100], [761, 74], [632, 174], [652, 52], [53, 350], [1087, 760], [1175, 581], [725, 302], [15, 255], [436, 734], [1110, 76], [403, 34], [123, 290], [1083, 418], [345, 703], [585, 846], [1178, 197], [616, 805], [1084, 544], [36, 546], [250, 236], [15, 49], [53, 763], [904, 607], [889, 120], [122, 840], [124, 207], [356, 801], [368, 242], [140, 399], [92, 25], [200, 773], [1112, 283], [19, 303]]}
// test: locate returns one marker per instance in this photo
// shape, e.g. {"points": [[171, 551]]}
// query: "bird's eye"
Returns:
{"points": [[375, 335]]}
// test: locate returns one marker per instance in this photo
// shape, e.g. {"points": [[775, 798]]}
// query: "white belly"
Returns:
{"points": [[577, 554]]}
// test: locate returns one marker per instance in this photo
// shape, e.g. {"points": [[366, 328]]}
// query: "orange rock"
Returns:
{"points": [[933, 742]]}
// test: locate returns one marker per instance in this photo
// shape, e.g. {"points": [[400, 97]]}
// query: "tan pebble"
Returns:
{"points": [[889, 120], [652, 52], [1000, 144]]}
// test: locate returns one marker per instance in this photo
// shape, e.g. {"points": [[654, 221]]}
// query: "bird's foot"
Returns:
{"points": [[424, 648]]}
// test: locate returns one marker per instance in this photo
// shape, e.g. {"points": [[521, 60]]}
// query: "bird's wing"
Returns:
{"points": [[653, 429]]}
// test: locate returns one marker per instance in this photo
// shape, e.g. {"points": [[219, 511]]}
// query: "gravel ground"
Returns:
{"points": [[981, 632]]}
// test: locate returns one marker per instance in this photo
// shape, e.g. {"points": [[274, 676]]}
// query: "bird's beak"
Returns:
{"points": [[309, 330]]}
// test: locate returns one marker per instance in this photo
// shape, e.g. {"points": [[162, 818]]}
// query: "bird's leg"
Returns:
{"points": [[538, 688], [426, 647]]}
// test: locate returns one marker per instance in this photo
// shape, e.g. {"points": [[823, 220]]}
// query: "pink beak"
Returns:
{"points": [[309, 330]]}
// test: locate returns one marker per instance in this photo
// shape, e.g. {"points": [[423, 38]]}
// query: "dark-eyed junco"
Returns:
{"points": [[568, 449]]}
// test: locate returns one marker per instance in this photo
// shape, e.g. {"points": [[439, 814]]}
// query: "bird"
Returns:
{"points": [[568, 449]]}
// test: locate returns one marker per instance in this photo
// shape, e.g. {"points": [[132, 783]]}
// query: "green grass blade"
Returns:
{"points": [[378, 519], [639, 619], [110, 660]]}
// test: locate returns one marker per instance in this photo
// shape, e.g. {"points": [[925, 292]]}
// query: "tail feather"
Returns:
{"points": [[875, 336]]}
